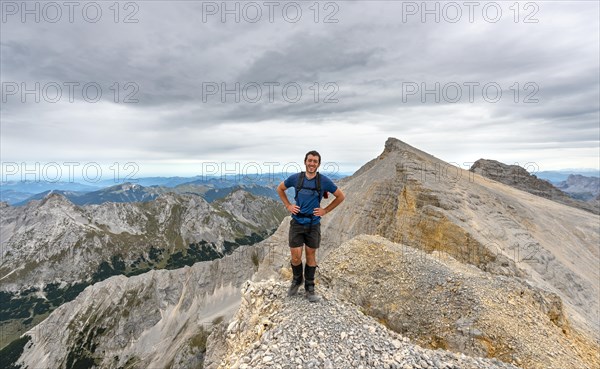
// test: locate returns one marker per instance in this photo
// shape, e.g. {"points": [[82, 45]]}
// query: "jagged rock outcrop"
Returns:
{"points": [[581, 187], [518, 177], [271, 330], [439, 302]]}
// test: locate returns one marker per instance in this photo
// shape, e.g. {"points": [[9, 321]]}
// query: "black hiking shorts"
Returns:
{"points": [[309, 235]]}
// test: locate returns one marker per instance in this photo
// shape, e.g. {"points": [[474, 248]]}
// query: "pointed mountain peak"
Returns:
{"points": [[400, 153], [394, 145], [126, 186], [54, 197]]}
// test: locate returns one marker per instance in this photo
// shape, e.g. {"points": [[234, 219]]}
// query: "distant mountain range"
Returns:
{"points": [[557, 176], [126, 192], [14, 192], [583, 185], [144, 189], [129, 192], [580, 187]]}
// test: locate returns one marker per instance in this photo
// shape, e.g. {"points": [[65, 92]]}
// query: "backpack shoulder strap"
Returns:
{"points": [[319, 186], [299, 185]]}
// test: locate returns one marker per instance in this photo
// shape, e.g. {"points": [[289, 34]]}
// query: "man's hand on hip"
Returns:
{"points": [[294, 209], [319, 212]]}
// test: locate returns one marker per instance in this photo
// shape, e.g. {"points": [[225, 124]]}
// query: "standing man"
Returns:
{"points": [[305, 226]]}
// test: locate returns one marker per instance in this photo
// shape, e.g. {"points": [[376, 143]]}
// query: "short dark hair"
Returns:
{"points": [[313, 153]]}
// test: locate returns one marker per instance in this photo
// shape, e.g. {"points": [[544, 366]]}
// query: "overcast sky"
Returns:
{"points": [[361, 67]]}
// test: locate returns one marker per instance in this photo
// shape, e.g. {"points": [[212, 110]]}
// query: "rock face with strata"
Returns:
{"points": [[159, 319], [518, 177]]}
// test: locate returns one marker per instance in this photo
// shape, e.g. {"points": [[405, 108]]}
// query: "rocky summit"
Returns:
{"points": [[271, 330]]}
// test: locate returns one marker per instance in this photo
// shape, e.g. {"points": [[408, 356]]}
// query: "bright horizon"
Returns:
{"points": [[48, 172]]}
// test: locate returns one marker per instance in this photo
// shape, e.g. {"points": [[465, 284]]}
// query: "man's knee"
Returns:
{"points": [[311, 256], [296, 253]]}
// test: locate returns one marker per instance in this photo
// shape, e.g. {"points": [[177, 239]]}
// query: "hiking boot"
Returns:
{"points": [[311, 295], [309, 283], [296, 279]]}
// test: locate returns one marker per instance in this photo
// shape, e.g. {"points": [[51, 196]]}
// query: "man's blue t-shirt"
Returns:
{"points": [[308, 199]]}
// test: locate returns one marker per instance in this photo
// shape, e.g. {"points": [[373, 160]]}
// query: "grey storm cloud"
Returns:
{"points": [[368, 63]]}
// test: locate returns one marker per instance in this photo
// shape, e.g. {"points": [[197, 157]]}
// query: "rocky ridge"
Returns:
{"points": [[271, 330], [518, 177]]}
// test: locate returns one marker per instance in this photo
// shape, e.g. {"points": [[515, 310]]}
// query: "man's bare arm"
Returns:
{"points": [[294, 209], [339, 197]]}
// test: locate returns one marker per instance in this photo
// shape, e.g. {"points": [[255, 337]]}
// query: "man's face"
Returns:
{"points": [[312, 163]]}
